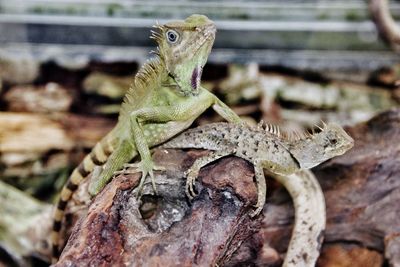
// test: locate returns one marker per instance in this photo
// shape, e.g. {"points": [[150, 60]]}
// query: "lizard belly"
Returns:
{"points": [[157, 133], [285, 167], [275, 162]]}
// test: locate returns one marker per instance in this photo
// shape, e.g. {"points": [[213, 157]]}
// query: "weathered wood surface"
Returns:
{"points": [[38, 99], [26, 138], [362, 191], [201, 234]]}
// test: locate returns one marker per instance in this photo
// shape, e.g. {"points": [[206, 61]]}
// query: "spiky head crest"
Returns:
{"points": [[184, 47], [313, 149]]}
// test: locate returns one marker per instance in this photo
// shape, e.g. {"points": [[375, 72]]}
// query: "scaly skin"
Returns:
{"points": [[287, 159], [309, 218], [164, 99], [265, 147]]}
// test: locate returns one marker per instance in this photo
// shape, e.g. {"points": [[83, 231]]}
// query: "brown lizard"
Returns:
{"points": [[264, 146]]}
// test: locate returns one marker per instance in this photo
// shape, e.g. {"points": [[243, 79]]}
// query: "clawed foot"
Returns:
{"points": [[146, 168], [260, 201], [256, 211], [191, 176]]}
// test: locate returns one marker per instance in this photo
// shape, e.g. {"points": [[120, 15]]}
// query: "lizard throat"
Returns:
{"points": [[196, 76]]}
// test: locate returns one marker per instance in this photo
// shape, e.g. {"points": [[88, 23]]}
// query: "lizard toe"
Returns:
{"points": [[256, 211]]}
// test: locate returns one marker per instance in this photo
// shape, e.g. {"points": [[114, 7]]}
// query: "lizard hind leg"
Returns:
{"points": [[122, 154], [261, 188], [192, 173]]}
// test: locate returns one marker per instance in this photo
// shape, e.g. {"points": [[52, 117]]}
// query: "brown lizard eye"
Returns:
{"points": [[172, 36], [333, 141]]}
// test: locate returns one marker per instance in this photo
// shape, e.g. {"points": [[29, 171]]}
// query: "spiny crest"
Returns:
{"points": [[301, 135], [273, 129], [291, 136], [147, 77], [157, 34], [149, 72]]}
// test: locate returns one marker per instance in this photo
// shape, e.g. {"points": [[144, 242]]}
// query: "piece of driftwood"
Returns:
{"points": [[362, 191], [26, 138], [49, 98]]}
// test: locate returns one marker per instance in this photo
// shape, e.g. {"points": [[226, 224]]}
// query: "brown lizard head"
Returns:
{"points": [[184, 47], [313, 149]]}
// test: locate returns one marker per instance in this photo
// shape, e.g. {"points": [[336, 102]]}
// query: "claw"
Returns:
{"points": [[146, 168], [190, 197], [153, 181], [191, 190], [127, 168], [130, 165], [115, 174], [158, 168], [141, 184], [256, 211], [190, 183], [194, 194]]}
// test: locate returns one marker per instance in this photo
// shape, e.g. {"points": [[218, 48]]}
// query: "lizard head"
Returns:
{"points": [[313, 149], [184, 47]]}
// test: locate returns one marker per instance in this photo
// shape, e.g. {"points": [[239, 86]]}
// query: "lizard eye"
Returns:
{"points": [[172, 36], [333, 141]]}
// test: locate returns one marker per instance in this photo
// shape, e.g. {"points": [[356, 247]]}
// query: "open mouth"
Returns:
{"points": [[196, 76]]}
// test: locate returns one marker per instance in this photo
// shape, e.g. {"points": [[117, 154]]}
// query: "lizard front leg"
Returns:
{"points": [[141, 138], [224, 111], [187, 110], [146, 165]]}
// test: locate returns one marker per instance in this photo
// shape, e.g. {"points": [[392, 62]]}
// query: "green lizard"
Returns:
{"points": [[266, 148], [164, 99], [287, 158]]}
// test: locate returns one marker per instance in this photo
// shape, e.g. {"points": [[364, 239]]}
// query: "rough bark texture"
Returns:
{"points": [[362, 191], [173, 231]]}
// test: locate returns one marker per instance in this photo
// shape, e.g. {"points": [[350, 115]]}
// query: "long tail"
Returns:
{"points": [[310, 218], [96, 157]]}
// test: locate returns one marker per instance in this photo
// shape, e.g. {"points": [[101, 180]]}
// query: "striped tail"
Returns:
{"points": [[96, 157]]}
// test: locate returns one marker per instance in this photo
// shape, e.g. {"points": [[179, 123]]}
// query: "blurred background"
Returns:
{"points": [[65, 66]]}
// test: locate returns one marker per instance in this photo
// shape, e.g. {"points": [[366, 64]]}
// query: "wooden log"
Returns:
{"points": [[362, 191]]}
